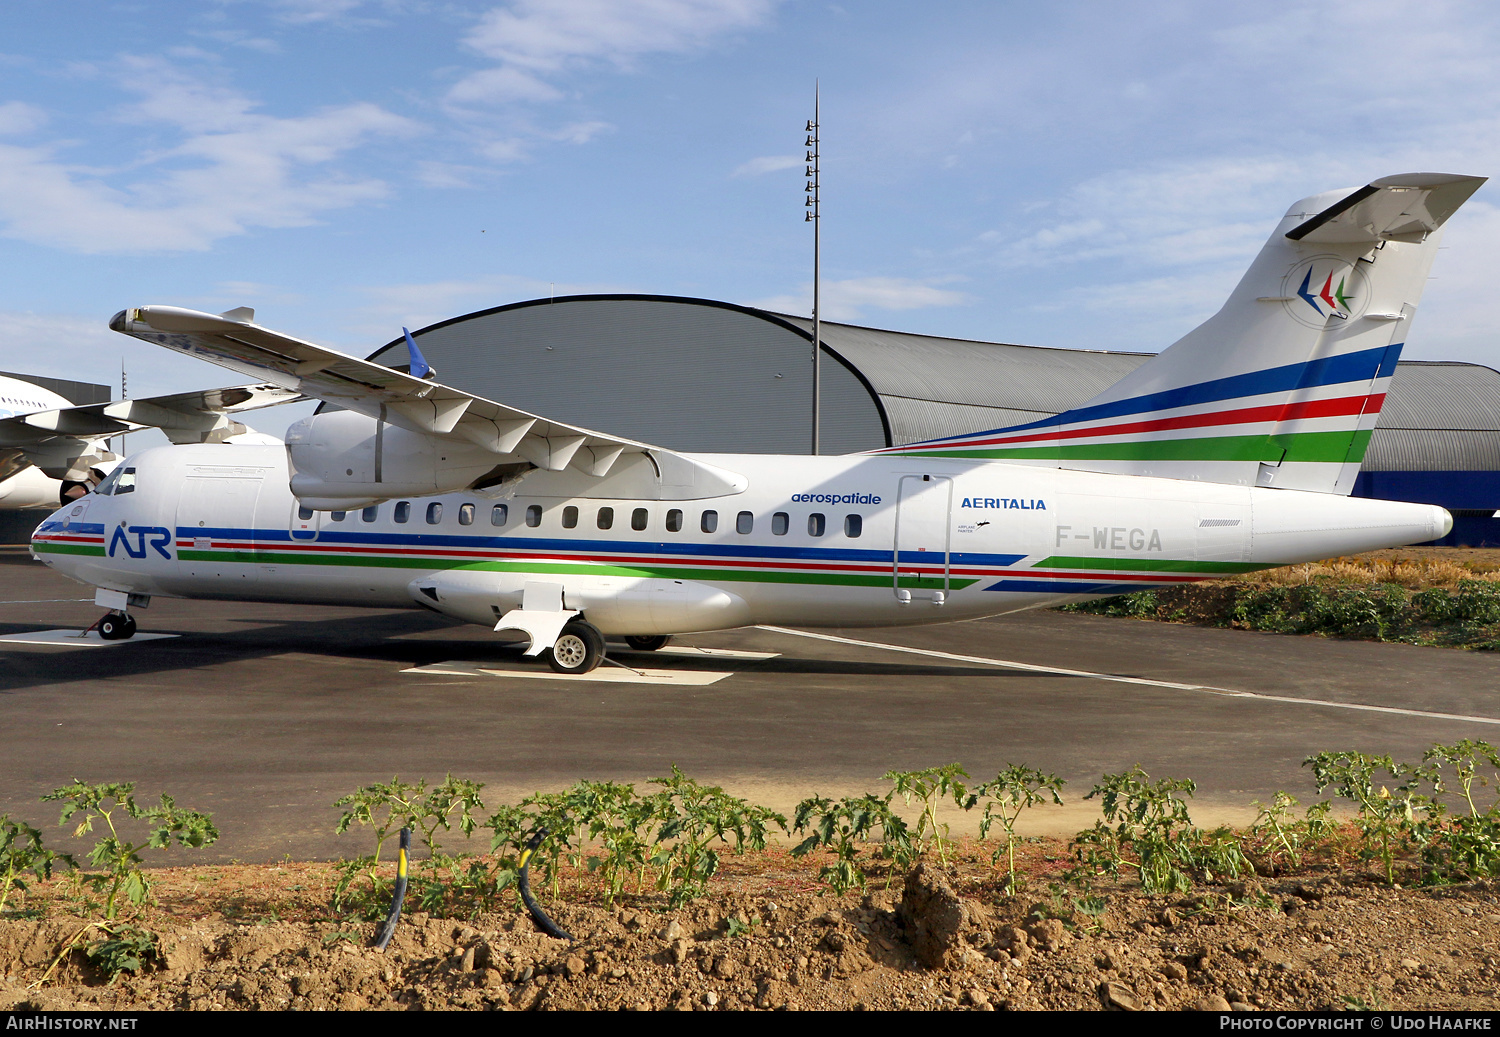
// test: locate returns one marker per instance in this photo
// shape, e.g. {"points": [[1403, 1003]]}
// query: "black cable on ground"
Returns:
{"points": [[546, 924], [399, 895]]}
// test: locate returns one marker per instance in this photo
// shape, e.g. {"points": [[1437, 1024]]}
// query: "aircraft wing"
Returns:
{"points": [[416, 404], [65, 442]]}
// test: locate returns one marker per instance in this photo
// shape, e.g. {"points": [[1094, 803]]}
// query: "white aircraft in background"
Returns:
{"points": [[52, 451], [1233, 450]]}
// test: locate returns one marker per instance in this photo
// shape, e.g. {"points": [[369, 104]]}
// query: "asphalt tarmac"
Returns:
{"points": [[265, 714]]}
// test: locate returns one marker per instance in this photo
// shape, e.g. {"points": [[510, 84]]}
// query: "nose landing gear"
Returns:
{"points": [[116, 626]]}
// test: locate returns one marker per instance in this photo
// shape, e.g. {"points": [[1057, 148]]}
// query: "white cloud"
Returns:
{"points": [[1206, 211], [17, 117], [766, 164], [1456, 319], [418, 304], [538, 44], [550, 35], [579, 132], [847, 299], [497, 86], [304, 11], [228, 170]]}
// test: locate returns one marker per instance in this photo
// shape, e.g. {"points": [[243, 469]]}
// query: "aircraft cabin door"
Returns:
{"points": [[215, 515], [923, 539]]}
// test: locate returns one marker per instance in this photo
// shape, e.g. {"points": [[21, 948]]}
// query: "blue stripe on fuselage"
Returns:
{"points": [[1362, 366], [438, 541]]}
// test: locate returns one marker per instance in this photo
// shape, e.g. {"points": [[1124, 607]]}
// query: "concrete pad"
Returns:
{"points": [[77, 639], [605, 674], [688, 651]]}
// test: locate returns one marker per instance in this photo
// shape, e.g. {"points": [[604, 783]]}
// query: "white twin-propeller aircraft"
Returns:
{"points": [[1233, 450]]}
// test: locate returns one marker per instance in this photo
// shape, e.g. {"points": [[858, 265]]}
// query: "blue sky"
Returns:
{"points": [[1069, 174]]}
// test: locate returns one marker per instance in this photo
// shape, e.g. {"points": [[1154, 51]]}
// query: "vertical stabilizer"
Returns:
{"points": [[1282, 386]]}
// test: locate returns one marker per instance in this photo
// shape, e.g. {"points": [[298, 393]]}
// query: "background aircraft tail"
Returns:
{"points": [[1282, 386]]}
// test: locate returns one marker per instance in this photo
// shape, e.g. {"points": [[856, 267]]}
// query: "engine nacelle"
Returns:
{"points": [[614, 604], [30, 488], [341, 459]]}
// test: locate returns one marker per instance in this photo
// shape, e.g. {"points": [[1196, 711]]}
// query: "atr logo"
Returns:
{"points": [[154, 537], [1323, 287]]}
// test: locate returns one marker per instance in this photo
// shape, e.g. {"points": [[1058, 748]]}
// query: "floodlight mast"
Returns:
{"points": [[812, 215]]}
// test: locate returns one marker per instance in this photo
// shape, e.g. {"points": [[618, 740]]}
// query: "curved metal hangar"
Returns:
{"points": [[700, 375]]}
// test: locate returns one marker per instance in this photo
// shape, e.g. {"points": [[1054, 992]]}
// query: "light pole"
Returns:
{"points": [[812, 215]]}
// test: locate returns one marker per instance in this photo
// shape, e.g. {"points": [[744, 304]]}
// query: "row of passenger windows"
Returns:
{"points": [[708, 521]]}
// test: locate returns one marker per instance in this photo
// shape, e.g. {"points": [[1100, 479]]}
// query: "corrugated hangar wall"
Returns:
{"points": [[687, 375], [695, 374]]}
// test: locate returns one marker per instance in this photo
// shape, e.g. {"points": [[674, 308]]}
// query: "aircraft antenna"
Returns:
{"points": [[812, 215]]}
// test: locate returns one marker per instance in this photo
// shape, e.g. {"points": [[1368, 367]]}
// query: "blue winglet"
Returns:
{"points": [[419, 367]]}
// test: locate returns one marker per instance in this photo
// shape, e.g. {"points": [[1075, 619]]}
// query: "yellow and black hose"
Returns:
{"points": [[400, 892], [546, 924]]}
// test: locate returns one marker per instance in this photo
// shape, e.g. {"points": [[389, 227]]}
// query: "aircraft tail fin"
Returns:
{"points": [[1283, 385]]}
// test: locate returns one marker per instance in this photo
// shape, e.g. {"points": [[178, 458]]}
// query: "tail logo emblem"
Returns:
{"points": [[1323, 287]]}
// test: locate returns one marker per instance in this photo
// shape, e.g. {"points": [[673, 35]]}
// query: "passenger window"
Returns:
{"points": [[498, 514], [606, 518], [403, 511], [371, 513], [534, 515], [570, 517], [744, 522], [780, 523], [127, 481], [710, 521], [815, 525], [466, 514], [303, 512], [638, 519], [674, 521], [434, 513], [853, 526], [338, 516]]}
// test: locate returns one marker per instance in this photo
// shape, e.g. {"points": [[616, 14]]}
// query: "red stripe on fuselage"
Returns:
{"points": [[1247, 415]]}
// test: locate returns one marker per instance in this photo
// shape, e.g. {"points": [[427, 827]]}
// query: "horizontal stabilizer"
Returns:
{"points": [[1407, 207]]}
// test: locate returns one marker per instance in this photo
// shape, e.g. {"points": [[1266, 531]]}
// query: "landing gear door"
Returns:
{"points": [[923, 539]]}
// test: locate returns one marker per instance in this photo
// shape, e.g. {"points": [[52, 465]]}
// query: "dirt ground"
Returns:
{"points": [[261, 937]]}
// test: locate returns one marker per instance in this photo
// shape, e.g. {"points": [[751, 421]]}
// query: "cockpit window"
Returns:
{"points": [[107, 487], [127, 482]]}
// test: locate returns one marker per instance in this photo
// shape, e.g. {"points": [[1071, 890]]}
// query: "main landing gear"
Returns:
{"points": [[645, 643], [578, 649], [116, 626]]}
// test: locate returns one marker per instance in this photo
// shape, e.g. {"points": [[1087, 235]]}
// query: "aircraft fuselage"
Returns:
{"points": [[854, 540]]}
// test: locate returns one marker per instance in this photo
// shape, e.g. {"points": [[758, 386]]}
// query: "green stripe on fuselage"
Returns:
{"points": [[250, 556], [1169, 565], [1306, 446], [96, 550]]}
